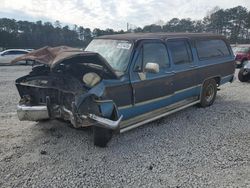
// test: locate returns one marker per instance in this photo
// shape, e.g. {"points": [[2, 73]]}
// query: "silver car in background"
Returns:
{"points": [[8, 55]]}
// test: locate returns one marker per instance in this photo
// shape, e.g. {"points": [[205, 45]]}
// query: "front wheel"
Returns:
{"points": [[208, 94], [241, 76], [101, 136]]}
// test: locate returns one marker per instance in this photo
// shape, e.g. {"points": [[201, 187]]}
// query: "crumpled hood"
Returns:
{"points": [[53, 56]]}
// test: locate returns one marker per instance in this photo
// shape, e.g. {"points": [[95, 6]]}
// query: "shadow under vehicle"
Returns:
{"points": [[123, 81]]}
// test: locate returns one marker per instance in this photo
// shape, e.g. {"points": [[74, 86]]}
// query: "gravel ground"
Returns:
{"points": [[193, 148]]}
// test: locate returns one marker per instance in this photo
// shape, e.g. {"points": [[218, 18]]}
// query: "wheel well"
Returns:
{"points": [[217, 79]]}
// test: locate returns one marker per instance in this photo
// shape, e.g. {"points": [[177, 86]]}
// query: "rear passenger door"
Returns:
{"points": [[184, 66]]}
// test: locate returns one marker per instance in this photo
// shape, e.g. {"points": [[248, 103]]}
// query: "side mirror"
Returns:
{"points": [[152, 67]]}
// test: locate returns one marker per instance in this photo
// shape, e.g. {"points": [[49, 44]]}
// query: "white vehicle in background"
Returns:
{"points": [[8, 55]]}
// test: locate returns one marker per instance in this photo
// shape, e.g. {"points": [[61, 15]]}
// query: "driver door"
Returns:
{"points": [[151, 89]]}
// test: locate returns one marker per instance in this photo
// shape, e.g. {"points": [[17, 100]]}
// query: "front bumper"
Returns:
{"points": [[32, 113], [37, 113]]}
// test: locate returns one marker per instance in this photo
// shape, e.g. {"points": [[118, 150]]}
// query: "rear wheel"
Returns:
{"points": [[241, 76], [101, 136], [209, 91]]}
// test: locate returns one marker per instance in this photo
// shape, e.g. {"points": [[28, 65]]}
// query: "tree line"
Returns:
{"points": [[234, 23]]}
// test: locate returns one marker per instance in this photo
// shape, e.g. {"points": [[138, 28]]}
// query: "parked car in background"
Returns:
{"points": [[242, 55], [8, 55], [244, 73], [29, 49], [123, 81]]}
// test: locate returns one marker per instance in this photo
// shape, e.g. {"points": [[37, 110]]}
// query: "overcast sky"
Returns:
{"points": [[110, 13]]}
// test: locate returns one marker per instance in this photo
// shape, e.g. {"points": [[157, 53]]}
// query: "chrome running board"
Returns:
{"points": [[122, 130]]}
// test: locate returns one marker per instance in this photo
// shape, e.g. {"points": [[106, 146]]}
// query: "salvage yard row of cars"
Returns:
{"points": [[123, 81]]}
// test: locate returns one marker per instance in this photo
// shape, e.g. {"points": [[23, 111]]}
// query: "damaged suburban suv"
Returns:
{"points": [[123, 81]]}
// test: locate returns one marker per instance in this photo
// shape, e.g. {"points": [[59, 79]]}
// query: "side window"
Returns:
{"points": [[14, 52], [180, 51], [211, 48], [20, 52], [7, 53], [155, 53]]}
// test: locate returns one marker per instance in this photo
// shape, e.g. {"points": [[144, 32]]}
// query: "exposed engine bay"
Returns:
{"points": [[66, 88]]}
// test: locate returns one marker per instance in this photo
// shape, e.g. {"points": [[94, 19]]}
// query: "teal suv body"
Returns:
{"points": [[123, 81]]}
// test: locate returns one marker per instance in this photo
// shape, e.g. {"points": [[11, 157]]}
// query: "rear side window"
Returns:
{"points": [[211, 48], [180, 51]]}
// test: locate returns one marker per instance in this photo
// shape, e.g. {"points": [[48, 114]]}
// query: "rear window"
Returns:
{"points": [[211, 48]]}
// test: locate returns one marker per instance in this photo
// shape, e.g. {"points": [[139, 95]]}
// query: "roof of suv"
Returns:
{"points": [[138, 36]]}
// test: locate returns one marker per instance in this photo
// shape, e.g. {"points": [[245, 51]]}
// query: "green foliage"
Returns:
{"points": [[234, 23]]}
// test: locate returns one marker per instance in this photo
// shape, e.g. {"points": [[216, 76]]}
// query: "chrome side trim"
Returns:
{"points": [[32, 113], [157, 117], [106, 123], [186, 89], [159, 98], [124, 107]]}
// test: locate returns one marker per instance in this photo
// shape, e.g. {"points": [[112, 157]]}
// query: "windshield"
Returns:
{"points": [[116, 52]]}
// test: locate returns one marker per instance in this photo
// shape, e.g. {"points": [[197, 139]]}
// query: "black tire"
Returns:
{"points": [[101, 136], [241, 77], [208, 94]]}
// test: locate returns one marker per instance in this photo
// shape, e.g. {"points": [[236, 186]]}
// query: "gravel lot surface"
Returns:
{"points": [[193, 148]]}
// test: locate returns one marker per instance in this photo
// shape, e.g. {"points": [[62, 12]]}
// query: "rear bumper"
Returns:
{"points": [[32, 113]]}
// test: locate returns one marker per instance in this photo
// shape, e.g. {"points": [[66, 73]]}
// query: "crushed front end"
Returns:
{"points": [[49, 95], [68, 89]]}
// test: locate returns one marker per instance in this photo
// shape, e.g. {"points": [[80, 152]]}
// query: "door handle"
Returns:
{"points": [[193, 66], [170, 72]]}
